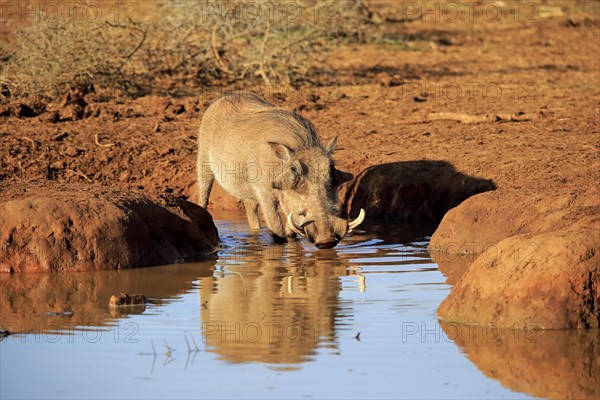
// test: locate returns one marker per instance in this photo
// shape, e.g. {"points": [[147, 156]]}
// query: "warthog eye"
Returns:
{"points": [[289, 179], [297, 171]]}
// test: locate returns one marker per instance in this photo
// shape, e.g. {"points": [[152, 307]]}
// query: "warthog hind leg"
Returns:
{"points": [[206, 178], [204, 188]]}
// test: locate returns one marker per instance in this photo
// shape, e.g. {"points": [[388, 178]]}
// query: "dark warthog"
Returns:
{"points": [[274, 158]]}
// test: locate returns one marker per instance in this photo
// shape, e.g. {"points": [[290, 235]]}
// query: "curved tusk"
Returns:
{"points": [[295, 228], [307, 222], [357, 221]]}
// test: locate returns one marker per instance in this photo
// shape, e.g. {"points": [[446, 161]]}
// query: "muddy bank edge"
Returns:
{"points": [[47, 226]]}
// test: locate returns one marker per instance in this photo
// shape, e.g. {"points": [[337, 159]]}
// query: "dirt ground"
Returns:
{"points": [[514, 100]]}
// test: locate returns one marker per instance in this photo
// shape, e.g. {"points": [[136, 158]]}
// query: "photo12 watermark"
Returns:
{"points": [[54, 332], [469, 11], [321, 93], [225, 12], [450, 332], [489, 252], [291, 12], [263, 331], [24, 12], [454, 92]]}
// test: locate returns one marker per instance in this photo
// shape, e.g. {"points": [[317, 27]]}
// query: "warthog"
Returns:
{"points": [[274, 158]]}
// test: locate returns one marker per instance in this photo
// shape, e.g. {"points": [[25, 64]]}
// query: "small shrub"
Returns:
{"points": [[183, 45]]}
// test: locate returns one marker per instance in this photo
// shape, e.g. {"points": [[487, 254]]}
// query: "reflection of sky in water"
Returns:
{"points": [[381, 283]]}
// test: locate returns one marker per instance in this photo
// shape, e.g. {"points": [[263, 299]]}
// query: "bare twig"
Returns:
{"points": [[32, 141], [81, 174], [100, 144], [59, 137], [215, 52], [195, 345], [4, 333], [190, 349], [132, 26], [261, 67], [169, 348], [477, 119], [136, 48]]}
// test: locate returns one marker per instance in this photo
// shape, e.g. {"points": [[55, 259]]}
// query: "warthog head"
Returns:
{"points": [[307, 191]]}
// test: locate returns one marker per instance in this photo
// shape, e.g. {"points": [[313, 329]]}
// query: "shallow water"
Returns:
{"points": [[275, 321]]}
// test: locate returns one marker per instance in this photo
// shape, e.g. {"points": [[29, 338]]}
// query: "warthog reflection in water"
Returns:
{"points": [[278, 306]]}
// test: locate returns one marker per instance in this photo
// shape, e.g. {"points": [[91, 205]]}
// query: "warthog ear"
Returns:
{"points": [[282, 151], [330, 146], [340, 177]]}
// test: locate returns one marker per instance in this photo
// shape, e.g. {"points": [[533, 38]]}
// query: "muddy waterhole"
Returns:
{"points": [[259, 321]]}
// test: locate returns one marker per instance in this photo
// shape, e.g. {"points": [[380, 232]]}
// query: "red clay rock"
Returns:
{"points": [[536, 259], [485, 219], [51, 227], [532, 281]]}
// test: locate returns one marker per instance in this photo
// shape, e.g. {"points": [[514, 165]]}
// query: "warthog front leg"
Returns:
{"points": [[252, 214], [273, 220]]}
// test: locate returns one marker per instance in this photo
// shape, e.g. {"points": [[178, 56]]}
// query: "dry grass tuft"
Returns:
{"points": [[180, 46]]}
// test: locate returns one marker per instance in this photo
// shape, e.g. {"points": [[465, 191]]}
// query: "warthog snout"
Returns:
{"points": [[324, 232]]}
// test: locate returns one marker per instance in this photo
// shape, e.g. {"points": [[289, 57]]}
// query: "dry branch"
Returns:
{"points": [[100, 144], [261, 67], [222, 65], [477, 119], [81, 174]]}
